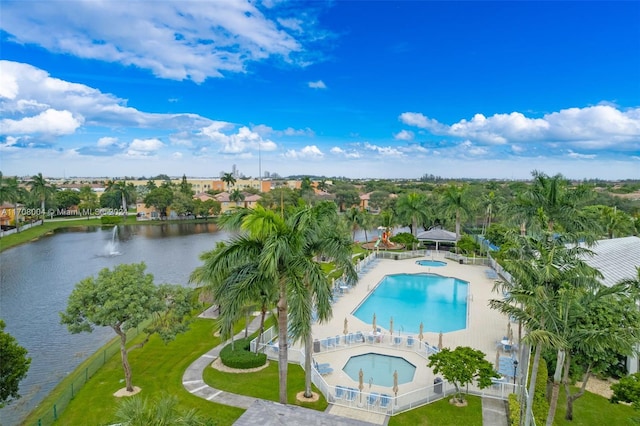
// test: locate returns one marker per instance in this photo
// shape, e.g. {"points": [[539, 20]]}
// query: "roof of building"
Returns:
{"points": [[616, 259], [437, 234], [266, 413]]}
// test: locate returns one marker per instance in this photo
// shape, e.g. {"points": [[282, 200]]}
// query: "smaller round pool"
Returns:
{"points": [[378, 369], [435, 263]]}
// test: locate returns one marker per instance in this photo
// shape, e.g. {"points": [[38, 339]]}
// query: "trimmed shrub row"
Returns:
{"points": [[238, 355]]}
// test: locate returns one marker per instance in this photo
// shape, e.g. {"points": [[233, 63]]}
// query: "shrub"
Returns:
{"points": [[238, 355], [404, 238], [468, 245], [514, 410], [111, 220]]}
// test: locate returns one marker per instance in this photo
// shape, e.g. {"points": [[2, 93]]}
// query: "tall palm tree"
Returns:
{"points": [[322, 239], [11, 192], [412, 207], [236, 196], [126, 192], [41, 190], [551, 204], [229, 180], [353, 218], [272, 249], [454, 201]]}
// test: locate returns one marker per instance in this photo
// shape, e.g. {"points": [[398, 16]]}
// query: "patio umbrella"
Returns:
{"points": [[509, 332], [346, 329], [420, 335], [391, 326], [497, 359], [361, 383], [440, 341], [510, 335], [374, 324], [395, 383]]}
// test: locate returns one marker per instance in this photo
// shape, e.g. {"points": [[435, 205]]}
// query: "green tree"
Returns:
{"points": [[67, 198], [88, 200], [462, 366], [186, 187], [412, 209], [11, 192], [229, 180], [454, 201], [353, 217], [41, 190], [126, 193], [160, 198], [323, 185], [346, 195], [236, 196], [614, 222], [163, 410], [271, 252], [13, 368], [182, 204], [123, 298], [379, 200]]}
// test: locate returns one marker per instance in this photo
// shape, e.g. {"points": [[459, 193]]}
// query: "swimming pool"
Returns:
{"points": [[440, 303], [435, 263], [378, 369]]}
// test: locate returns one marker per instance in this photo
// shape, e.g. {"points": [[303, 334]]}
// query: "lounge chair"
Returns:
{"points": [[323, 371], [432, 349], [359, 337], [385, 401], [328, 342], [410, 341], [341, 392], [397, 341], [321, 365], [337, 340], [372, 399], [351, 394]]}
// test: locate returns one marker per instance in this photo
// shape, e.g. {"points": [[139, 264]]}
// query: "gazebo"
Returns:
{"points": [[438, 235]]}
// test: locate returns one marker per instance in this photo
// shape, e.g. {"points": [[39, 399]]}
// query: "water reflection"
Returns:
{"points": [[37, 278]]}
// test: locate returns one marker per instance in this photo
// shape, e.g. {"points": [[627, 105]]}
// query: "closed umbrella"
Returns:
{"points": [[421, 335], [346, 329], [391, 326], [374, 324], [361, 383], [440, 341], [498, 359], [509, 332], [395, 383]]}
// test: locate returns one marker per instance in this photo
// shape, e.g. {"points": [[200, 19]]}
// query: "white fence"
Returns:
{"points": [[22, 228], [360, 399]]}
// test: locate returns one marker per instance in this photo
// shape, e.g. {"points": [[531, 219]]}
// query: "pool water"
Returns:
{"points": [[440, 303], [379, 369], [435, 263]]}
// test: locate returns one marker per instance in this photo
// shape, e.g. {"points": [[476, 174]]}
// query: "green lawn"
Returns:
{"points": [[441, 413], [263, 384], [591, 409], [156, 368]]}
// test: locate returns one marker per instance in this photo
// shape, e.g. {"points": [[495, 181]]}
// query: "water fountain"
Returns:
{"points": [[112, 246]]}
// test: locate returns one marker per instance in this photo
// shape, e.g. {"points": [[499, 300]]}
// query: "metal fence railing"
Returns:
{"points": [[78, 381]]}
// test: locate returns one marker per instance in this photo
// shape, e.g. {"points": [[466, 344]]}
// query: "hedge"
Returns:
{"points": [[238, 355]]}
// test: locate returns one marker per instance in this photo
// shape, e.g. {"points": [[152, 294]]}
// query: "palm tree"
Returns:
{"points": [[353, 218], [412, 207], [11, 192], [229, 180], [41, 189], [612, 221], [164, 410], [551, 204], [455, 202], [126, 192], [236, 196], [272, 251]]}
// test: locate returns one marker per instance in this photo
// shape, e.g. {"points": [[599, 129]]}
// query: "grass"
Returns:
{"points": [[442, 413], [264, 384], [156, 368], [592, 409]]}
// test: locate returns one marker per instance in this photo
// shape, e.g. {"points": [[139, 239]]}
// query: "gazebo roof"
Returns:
{"points": [[616, 258], [437, 234]]}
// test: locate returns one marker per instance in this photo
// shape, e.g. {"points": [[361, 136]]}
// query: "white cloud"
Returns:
{"points": [[176, 155], [308, 152], [404, 135], [317, 84], [383, 150], [581, 156], [107, 142], [49, 122], [347, 154], [595, 127], [182, 39], [240, 142], [144, 148]]}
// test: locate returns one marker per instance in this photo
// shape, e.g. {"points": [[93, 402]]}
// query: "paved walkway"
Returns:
{"points": [[493, 410]]}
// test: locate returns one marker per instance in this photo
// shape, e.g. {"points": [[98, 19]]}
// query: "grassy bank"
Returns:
{"points": [[33, 234], [156, 368]]}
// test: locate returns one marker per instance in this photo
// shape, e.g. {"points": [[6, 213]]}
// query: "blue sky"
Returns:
{"points": [[345, 88]]}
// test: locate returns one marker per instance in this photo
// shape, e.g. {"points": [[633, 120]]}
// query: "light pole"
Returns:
{"points": [[515, 371]]}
